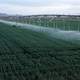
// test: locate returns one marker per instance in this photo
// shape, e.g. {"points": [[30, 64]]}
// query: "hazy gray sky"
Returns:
{"points": [[29, 7]]}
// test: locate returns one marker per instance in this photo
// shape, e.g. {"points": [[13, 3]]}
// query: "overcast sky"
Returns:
{"points": [[32, 7]]}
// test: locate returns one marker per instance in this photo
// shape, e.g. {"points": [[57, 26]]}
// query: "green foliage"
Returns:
{"points": [[29, 55], [13, 26]]}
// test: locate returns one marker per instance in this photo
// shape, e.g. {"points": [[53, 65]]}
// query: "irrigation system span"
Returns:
{"points": [[71, 36]]}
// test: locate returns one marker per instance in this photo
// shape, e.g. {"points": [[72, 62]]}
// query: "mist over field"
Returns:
{"points": [[71, 36]]}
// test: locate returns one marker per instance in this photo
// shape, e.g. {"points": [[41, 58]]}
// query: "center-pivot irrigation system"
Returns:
{"points": [[68, 24]]}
